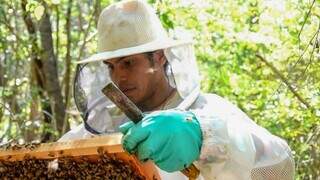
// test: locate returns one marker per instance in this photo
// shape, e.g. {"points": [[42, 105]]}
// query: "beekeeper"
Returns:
{"points": [[181, 125]]}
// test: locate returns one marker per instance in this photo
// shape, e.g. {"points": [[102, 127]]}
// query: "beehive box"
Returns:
{"points": [[97, 158]]}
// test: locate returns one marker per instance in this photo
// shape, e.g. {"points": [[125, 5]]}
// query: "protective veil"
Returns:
{"points": [[92, 77]]}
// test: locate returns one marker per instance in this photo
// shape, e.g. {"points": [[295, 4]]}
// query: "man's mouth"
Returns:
{"points": [[127, 90]]}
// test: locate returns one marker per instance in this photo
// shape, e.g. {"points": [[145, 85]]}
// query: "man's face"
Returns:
{"points": [[135, 75]]}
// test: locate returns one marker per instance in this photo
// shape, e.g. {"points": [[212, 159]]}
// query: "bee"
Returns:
{"points": [[51, 154]]}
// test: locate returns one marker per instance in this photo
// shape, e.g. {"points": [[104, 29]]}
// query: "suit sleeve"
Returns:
{"points": [[234, 147]]}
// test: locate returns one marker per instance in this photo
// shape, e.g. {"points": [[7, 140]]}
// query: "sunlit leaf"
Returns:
{"points": [[55, 2], [38, 12]]}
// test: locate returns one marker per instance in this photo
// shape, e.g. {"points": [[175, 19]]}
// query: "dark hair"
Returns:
{"points": [[150, 58]]}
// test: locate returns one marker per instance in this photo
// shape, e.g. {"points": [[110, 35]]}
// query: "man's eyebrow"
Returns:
{"points": [[106, 62], [122, 58], [117, 61]]}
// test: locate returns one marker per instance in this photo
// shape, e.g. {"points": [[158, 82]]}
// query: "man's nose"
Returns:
{"points": [[121, 75]]}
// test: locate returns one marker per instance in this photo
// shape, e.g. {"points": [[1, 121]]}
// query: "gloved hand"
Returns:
{"points": [[171, 138]]}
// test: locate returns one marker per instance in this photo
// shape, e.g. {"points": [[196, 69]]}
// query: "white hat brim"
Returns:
{"points": [[148, 47]]}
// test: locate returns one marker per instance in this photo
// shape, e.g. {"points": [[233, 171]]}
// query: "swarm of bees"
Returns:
{"points": [[14, 145], [107, 166]]}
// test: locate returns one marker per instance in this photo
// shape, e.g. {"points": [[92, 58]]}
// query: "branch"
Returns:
{"points": [[291, 68], [97, 11], [67, 75], [285, 80], [315, 44], [301, 56], [80, 17], [56, 7], [86, 34], [305, 19]]}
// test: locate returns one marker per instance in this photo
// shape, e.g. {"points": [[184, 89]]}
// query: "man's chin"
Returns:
{"points": [[133, 98]]}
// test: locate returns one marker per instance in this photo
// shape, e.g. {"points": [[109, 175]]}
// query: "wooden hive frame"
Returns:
{"points": [[89, 148]]}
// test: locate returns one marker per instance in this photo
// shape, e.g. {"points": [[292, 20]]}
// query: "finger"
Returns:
{"points": [[153, 146], [124, 128], [134, 137], [145, 150]]}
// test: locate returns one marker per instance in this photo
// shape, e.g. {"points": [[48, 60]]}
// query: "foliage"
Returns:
{"points": [[263, 55]]}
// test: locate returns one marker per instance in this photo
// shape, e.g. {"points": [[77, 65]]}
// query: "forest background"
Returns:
{"points": [[262, 55]]}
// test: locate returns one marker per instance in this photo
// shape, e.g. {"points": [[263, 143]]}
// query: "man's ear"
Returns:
{"points": [[159, 58]]}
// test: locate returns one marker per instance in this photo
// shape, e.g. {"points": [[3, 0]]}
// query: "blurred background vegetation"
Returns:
{"points": [[262, 55]]}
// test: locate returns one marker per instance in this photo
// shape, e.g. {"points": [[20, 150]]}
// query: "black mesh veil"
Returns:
{"points": [[100, 115]]}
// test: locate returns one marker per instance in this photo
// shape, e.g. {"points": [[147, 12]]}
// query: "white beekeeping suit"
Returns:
{"points": [[233, 147]]}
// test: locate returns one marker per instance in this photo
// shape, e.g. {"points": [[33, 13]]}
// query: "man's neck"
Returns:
{"points": [[159, 98]]}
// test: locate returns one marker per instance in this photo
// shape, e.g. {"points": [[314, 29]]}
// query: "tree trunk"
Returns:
{"points": [[67, 75], [37, 78], [1, 74], [52, 85]]}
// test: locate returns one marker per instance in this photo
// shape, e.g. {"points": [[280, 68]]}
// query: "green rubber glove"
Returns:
{"points": [[171, 138]]}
